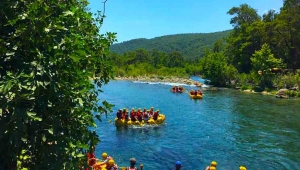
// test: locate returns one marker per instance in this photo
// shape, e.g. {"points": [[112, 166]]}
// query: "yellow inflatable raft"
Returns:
{"points": [[198, 96], [161, 118]]}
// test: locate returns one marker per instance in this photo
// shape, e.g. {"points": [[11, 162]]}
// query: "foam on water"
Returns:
{"points": [[169, 83]]}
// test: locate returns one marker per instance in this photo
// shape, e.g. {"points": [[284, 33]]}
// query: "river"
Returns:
{"points": [[228, 126]]}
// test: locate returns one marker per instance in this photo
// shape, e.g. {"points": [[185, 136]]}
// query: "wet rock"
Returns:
{"points": [[282, 93]]}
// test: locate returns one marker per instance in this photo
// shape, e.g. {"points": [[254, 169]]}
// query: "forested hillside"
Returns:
{"points": [[190, 45], [261, 52]]}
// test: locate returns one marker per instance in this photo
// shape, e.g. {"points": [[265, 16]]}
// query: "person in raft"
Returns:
{"points": [[155, 115], [139, 115], [212, 166], [119, 114], [177, 165], [151, 111], [105, 158], [192, 92], [133, 115], [146, 115], [126, 117], [110, 165], [180, 89], [92, 157], [132, 164]]}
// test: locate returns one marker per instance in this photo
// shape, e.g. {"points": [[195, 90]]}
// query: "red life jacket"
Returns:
{"points": [[126, 116], [155, 115], [145, 115], [132, 114], [151, 112], [90, 159], [139, 114]]}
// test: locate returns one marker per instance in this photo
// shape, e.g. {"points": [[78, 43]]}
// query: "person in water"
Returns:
{"points": [[110, 165], [199, 92], [177, 165], [213, 165], [92, 157], [132, 164]]}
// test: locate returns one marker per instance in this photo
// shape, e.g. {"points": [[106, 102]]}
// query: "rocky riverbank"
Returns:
{"points": [[166, 79]]}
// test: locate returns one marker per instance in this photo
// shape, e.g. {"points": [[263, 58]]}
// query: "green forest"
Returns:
{"points": [[260, 53], [192, 46]]}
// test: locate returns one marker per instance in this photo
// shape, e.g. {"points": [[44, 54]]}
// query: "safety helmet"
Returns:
{"points": [[213, 163], [178, 163], [212, 168], [145, 109], [124, 108], [132, 109], [243, 168], [111, 162], [132, 160], [104, 154]]}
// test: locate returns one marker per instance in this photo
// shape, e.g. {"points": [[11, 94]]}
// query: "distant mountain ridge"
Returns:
{"points": [[191, 45]]}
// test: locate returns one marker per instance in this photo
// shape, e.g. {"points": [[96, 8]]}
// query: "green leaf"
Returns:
{"points": [[24, 139], [66, 13], [80, 155], [30, 114], [33, 116], [44, 138], [23, 152], [50, 131]]}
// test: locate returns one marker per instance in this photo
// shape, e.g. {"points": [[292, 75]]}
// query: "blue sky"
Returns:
{"points": [[132, 19]]}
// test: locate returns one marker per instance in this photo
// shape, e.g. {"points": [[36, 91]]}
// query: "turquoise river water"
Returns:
{"points": [[229, 126]]}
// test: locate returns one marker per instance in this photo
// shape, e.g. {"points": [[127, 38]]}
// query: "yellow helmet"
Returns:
{"points": [[213, 163], [111, 162], [139, 109], [132, 109], [104, 154], [151, 107], [243, 168], [212, 168]]}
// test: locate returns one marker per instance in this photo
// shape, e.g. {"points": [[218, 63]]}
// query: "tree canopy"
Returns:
{"points": [[50, 50]]}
